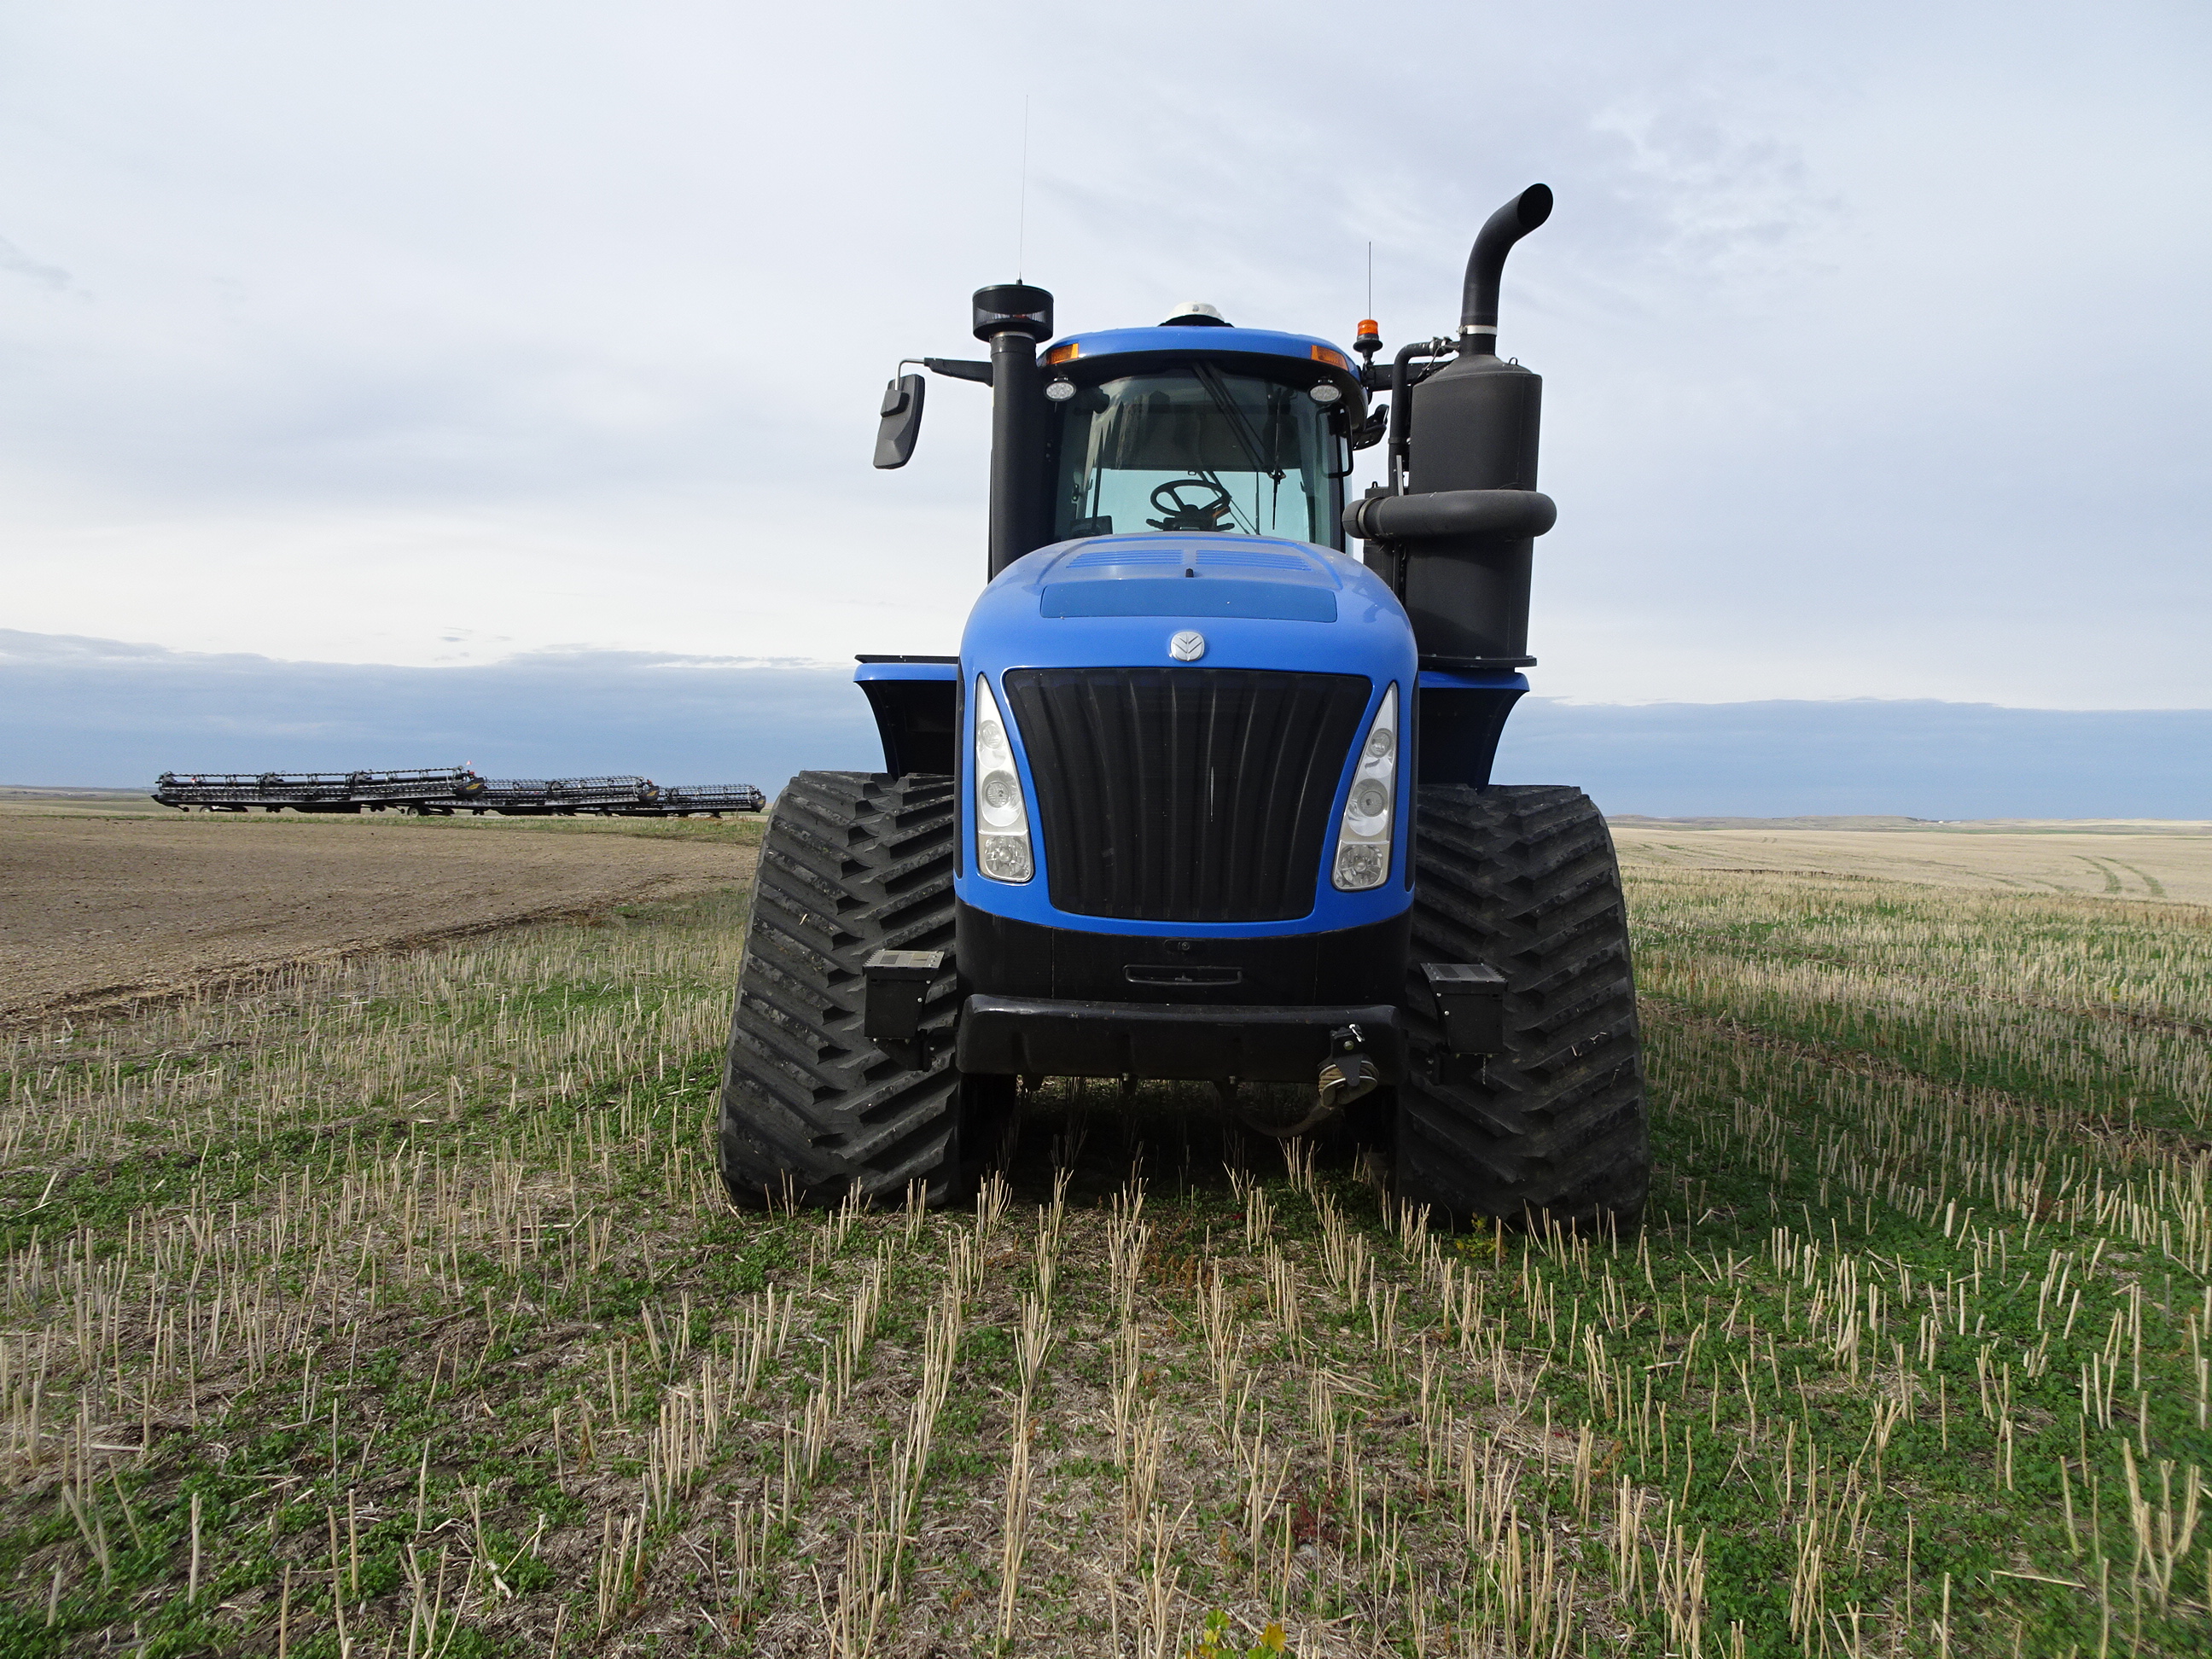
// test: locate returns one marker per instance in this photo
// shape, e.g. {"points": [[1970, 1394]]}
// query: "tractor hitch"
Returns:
{"points": [[1346, 1074]]}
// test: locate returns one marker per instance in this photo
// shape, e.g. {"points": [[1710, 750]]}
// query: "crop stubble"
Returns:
{"points": [[390, 1307]]}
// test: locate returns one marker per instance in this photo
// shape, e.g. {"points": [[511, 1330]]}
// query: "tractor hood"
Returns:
{"points": [[1146, 612], [1250, 601]]}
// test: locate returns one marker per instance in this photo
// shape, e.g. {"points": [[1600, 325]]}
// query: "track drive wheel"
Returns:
{"points": [[1555, 1129], [850, 863]]}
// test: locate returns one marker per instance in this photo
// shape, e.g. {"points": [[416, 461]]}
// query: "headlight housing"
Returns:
{"points": [[1002, 816], [1362, 839]]}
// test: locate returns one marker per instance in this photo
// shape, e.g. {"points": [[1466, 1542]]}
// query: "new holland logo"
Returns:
{"points": [[1188, 646]]}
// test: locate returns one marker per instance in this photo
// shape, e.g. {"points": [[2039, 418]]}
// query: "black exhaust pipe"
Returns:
{"points": [[1478, 311], [1456, 534], [1015, 318]]}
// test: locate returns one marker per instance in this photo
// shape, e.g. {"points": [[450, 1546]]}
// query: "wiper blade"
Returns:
{"points": [[1210, 378]]}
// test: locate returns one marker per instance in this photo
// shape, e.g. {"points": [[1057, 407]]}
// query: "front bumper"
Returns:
{"points": [[1342, 967], [1056, 1036]]}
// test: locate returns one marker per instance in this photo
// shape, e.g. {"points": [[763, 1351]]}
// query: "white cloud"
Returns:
{"points": [[1874, 355]]}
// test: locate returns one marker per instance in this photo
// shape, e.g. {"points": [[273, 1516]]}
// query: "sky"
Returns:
{"points": [[423, 335]]}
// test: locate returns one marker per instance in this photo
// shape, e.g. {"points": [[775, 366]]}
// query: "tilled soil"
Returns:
{"points": [[96, 912]]}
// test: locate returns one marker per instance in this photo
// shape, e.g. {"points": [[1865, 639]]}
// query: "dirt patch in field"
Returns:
{"points": [[94, 912]]}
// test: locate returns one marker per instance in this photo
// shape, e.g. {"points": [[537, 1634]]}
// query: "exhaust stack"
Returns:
{"points": [[1457, 539], [1485, 266]]}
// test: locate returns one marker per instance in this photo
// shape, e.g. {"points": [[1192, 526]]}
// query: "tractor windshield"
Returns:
{"points": [[1196, 448]]}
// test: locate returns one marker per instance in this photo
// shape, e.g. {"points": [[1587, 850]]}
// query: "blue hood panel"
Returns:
{"points": [[1151, 596], [1190, 576], [1259, 602]]}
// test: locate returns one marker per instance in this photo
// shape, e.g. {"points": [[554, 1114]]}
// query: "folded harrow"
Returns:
{"points": [[442, 791]]}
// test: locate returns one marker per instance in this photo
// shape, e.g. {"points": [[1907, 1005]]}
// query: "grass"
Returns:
{"points": [[390, 1308]]}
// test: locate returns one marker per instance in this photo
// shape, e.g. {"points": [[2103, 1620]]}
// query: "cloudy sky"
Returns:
{"points": [[1875, 337]]}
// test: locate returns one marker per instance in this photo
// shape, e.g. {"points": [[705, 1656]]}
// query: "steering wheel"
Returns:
{"points": [[1179, 514]]}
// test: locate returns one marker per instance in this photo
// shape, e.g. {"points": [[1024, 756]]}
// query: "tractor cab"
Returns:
{"points": [[1190, 428]]}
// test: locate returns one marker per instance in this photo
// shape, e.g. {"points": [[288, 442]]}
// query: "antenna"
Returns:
{"points": [[1370, 340], [1021, 233]]}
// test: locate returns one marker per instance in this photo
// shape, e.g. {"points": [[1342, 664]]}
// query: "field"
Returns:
{"points": [[384, 1305], [104, 904], [2118, 859]]}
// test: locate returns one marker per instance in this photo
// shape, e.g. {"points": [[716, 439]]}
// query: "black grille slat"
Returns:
{"points": [[1185, 794]]}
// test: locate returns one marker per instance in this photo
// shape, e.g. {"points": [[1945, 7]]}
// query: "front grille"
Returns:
{"points": [[1185, 794]]}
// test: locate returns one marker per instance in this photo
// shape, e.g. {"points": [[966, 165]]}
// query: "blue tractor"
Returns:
{"points": [[1203, 796]]}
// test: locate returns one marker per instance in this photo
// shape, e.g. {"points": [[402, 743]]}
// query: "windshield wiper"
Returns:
{"points": [[1210, 378]]}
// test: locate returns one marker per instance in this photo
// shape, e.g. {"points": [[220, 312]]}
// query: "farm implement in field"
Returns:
{"points": [[440, 791], [1204, 797]]}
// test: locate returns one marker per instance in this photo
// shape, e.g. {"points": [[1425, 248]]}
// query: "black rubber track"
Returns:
{"points": [[1524, 879], [850, 863]]}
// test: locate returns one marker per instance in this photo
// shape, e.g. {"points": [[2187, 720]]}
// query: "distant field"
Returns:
{"points": [[387, 1307], [16, 800], [2145, 859], [97, 909]]}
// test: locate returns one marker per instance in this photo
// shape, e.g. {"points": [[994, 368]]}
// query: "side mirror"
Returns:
{"points": [[1343, 439], [901, 422]]}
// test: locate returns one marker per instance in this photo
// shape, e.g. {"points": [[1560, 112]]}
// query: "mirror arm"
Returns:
{"points": [[957, 368], [901, 413]]}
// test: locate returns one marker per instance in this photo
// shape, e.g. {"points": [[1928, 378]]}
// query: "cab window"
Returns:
{"points": [[1196, 448]]}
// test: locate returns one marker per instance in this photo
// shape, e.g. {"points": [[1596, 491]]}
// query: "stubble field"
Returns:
{"points": [[387, 1306], [105, 905]]}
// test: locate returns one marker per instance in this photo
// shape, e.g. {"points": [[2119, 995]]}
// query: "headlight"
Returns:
{"points": [[1001, 800], [1002, 819], [1363, 841]]}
